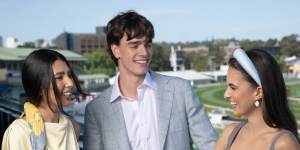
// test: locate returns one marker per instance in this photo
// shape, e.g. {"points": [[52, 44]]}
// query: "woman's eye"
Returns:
{"points": [[70, 75], [233, 88], [59, 78]]}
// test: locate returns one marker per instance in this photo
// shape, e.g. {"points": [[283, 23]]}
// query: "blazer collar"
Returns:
{"points": [[164, 102], [118, 126], [115, 119]]}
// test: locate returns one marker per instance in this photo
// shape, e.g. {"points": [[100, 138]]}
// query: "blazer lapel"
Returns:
{"points": [[164, 106], [118, 126]]}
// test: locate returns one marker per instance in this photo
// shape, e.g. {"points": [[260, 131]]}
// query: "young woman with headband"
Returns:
{"points": [[256, 91]]}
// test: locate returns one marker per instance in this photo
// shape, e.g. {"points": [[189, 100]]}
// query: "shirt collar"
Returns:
{"points": [[148, 81], [116, 93]]}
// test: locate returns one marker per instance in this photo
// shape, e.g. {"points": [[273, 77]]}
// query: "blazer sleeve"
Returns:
{"points": [[92, 136], [201, 131]]}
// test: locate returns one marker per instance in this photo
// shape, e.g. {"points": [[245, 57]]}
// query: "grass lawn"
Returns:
{"points": [[294, 90]]}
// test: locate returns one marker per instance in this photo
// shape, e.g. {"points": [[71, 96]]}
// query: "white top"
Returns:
{"points": [[140, 115], [59, 136]]}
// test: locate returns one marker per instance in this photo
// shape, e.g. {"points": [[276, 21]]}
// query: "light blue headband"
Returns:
{"points": [[247, 64]]}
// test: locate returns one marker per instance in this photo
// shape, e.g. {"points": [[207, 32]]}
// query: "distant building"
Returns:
{"points": [[11, 42], [100, 30], [218, 75], [196, 79], [202, 50], [293, 64], [177, 59], [1, 41], [12, 59], [82, 42], [94, 82], [3, 73], [41, 43]]}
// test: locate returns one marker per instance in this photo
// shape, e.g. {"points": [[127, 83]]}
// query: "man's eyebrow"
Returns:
{"points": [[135, 42]]}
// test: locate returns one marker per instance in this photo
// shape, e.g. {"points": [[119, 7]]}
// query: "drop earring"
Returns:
{"points": [[256, 103]]}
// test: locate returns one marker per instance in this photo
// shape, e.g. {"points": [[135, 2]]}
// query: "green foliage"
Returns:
{"points": [[160, 58], [217, 54], [27, 45], [290, 45], [196, 61], [280, 60], [271, 42], [248, 44], [99, 62]]}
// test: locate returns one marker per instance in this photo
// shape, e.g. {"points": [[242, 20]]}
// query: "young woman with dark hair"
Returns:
{"points": [[256, 91], [49, 82]]}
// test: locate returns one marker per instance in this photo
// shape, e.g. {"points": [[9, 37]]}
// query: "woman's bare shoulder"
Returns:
{"points": [[287, 141], [222, 142], [229, 128]]}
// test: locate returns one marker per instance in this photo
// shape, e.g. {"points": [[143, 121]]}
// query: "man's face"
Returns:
{"points": [[134, 56]]}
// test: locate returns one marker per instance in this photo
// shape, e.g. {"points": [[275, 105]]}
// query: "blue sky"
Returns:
{"points": [[174, 20]]}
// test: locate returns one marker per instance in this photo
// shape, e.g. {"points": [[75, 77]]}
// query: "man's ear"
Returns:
{"points": [[259, 94], [115, 50]]}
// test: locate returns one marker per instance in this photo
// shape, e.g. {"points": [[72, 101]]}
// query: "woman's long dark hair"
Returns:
{"points": [[37, 76], [276, 111]]}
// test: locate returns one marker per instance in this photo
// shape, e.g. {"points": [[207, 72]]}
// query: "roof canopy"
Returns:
{"points": [[18, 54]]}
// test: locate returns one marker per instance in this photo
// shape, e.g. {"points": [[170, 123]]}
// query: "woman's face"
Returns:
{"points": [[64, 82], [240, 93]]}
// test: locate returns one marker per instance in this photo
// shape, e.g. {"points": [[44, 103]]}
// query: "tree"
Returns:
{"points": [[271, 42], [160, 58], [27, 45], [217, 51], [99, 62], [280, 60], [290, 45], [196, 61], [248, 44]]}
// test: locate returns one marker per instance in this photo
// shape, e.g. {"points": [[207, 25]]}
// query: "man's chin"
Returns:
{"points": [[142, 73]]}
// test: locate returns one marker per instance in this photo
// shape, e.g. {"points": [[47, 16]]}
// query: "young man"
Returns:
{"points": [[143, 109]]}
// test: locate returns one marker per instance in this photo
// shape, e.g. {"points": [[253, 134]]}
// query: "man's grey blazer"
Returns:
{"points": [[181, 119]]}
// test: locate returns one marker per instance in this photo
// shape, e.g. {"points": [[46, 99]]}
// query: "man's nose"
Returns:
{"points": [[144, 50]]}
